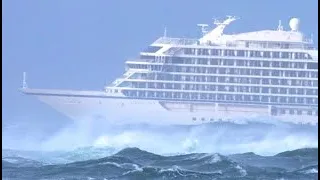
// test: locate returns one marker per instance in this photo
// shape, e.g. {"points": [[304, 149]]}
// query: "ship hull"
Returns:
{"points": [[120, 110]]}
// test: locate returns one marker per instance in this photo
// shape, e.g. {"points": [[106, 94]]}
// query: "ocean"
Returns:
{"points": [[220, 151], [134, 163]]}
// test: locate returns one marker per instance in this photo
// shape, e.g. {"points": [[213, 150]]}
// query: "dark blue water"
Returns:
{"points": [[134, 163]]}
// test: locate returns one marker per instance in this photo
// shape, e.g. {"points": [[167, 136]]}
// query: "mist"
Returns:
{"points": [[220, 137]]}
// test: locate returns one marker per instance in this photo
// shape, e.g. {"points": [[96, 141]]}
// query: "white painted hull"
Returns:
{"points": [[121, 111]]}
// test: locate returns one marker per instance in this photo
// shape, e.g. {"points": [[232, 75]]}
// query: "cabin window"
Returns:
{"points": [[240, 53], [146, 57], [312, 65], [299, 112], [276, 54], [188, 51], [291, 111], [152, 49]]}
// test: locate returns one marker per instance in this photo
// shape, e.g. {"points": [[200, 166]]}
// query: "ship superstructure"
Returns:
{"points": [[271, 74]]}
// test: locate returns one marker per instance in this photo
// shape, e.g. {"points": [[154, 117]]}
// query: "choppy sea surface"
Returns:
{"points": [[221, 151], [134, 163]]}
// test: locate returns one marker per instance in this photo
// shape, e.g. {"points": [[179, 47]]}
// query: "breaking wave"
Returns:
{"points": [[220, 137], [221, 150], [134, 163]]}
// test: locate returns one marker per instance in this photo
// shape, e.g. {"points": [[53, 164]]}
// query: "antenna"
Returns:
{"points": [[203, 28], [165, 32], [24, 81], [280, 27]]}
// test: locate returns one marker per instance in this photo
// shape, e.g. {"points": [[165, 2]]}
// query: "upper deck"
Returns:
{"points": [[271, 39]]}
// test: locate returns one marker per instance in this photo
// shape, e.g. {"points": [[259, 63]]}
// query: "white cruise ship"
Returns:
{"points": [[263, 75]]}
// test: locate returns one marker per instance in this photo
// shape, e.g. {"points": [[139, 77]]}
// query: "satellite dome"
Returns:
{"points": [[294, 24]]}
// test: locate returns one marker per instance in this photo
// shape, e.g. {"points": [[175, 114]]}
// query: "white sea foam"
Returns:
{"points": [[203, 139], [223, 139], [242, 171], [311, 171]]}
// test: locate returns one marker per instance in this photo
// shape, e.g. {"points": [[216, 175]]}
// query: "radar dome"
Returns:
{"points": [[294, 24]]}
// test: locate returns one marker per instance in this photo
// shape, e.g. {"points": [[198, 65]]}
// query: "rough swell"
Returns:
{"points": [[134, 163]]}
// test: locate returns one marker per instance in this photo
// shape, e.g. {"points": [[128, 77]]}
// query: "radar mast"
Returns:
{"points": [[24, 81], [280, 27]]}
